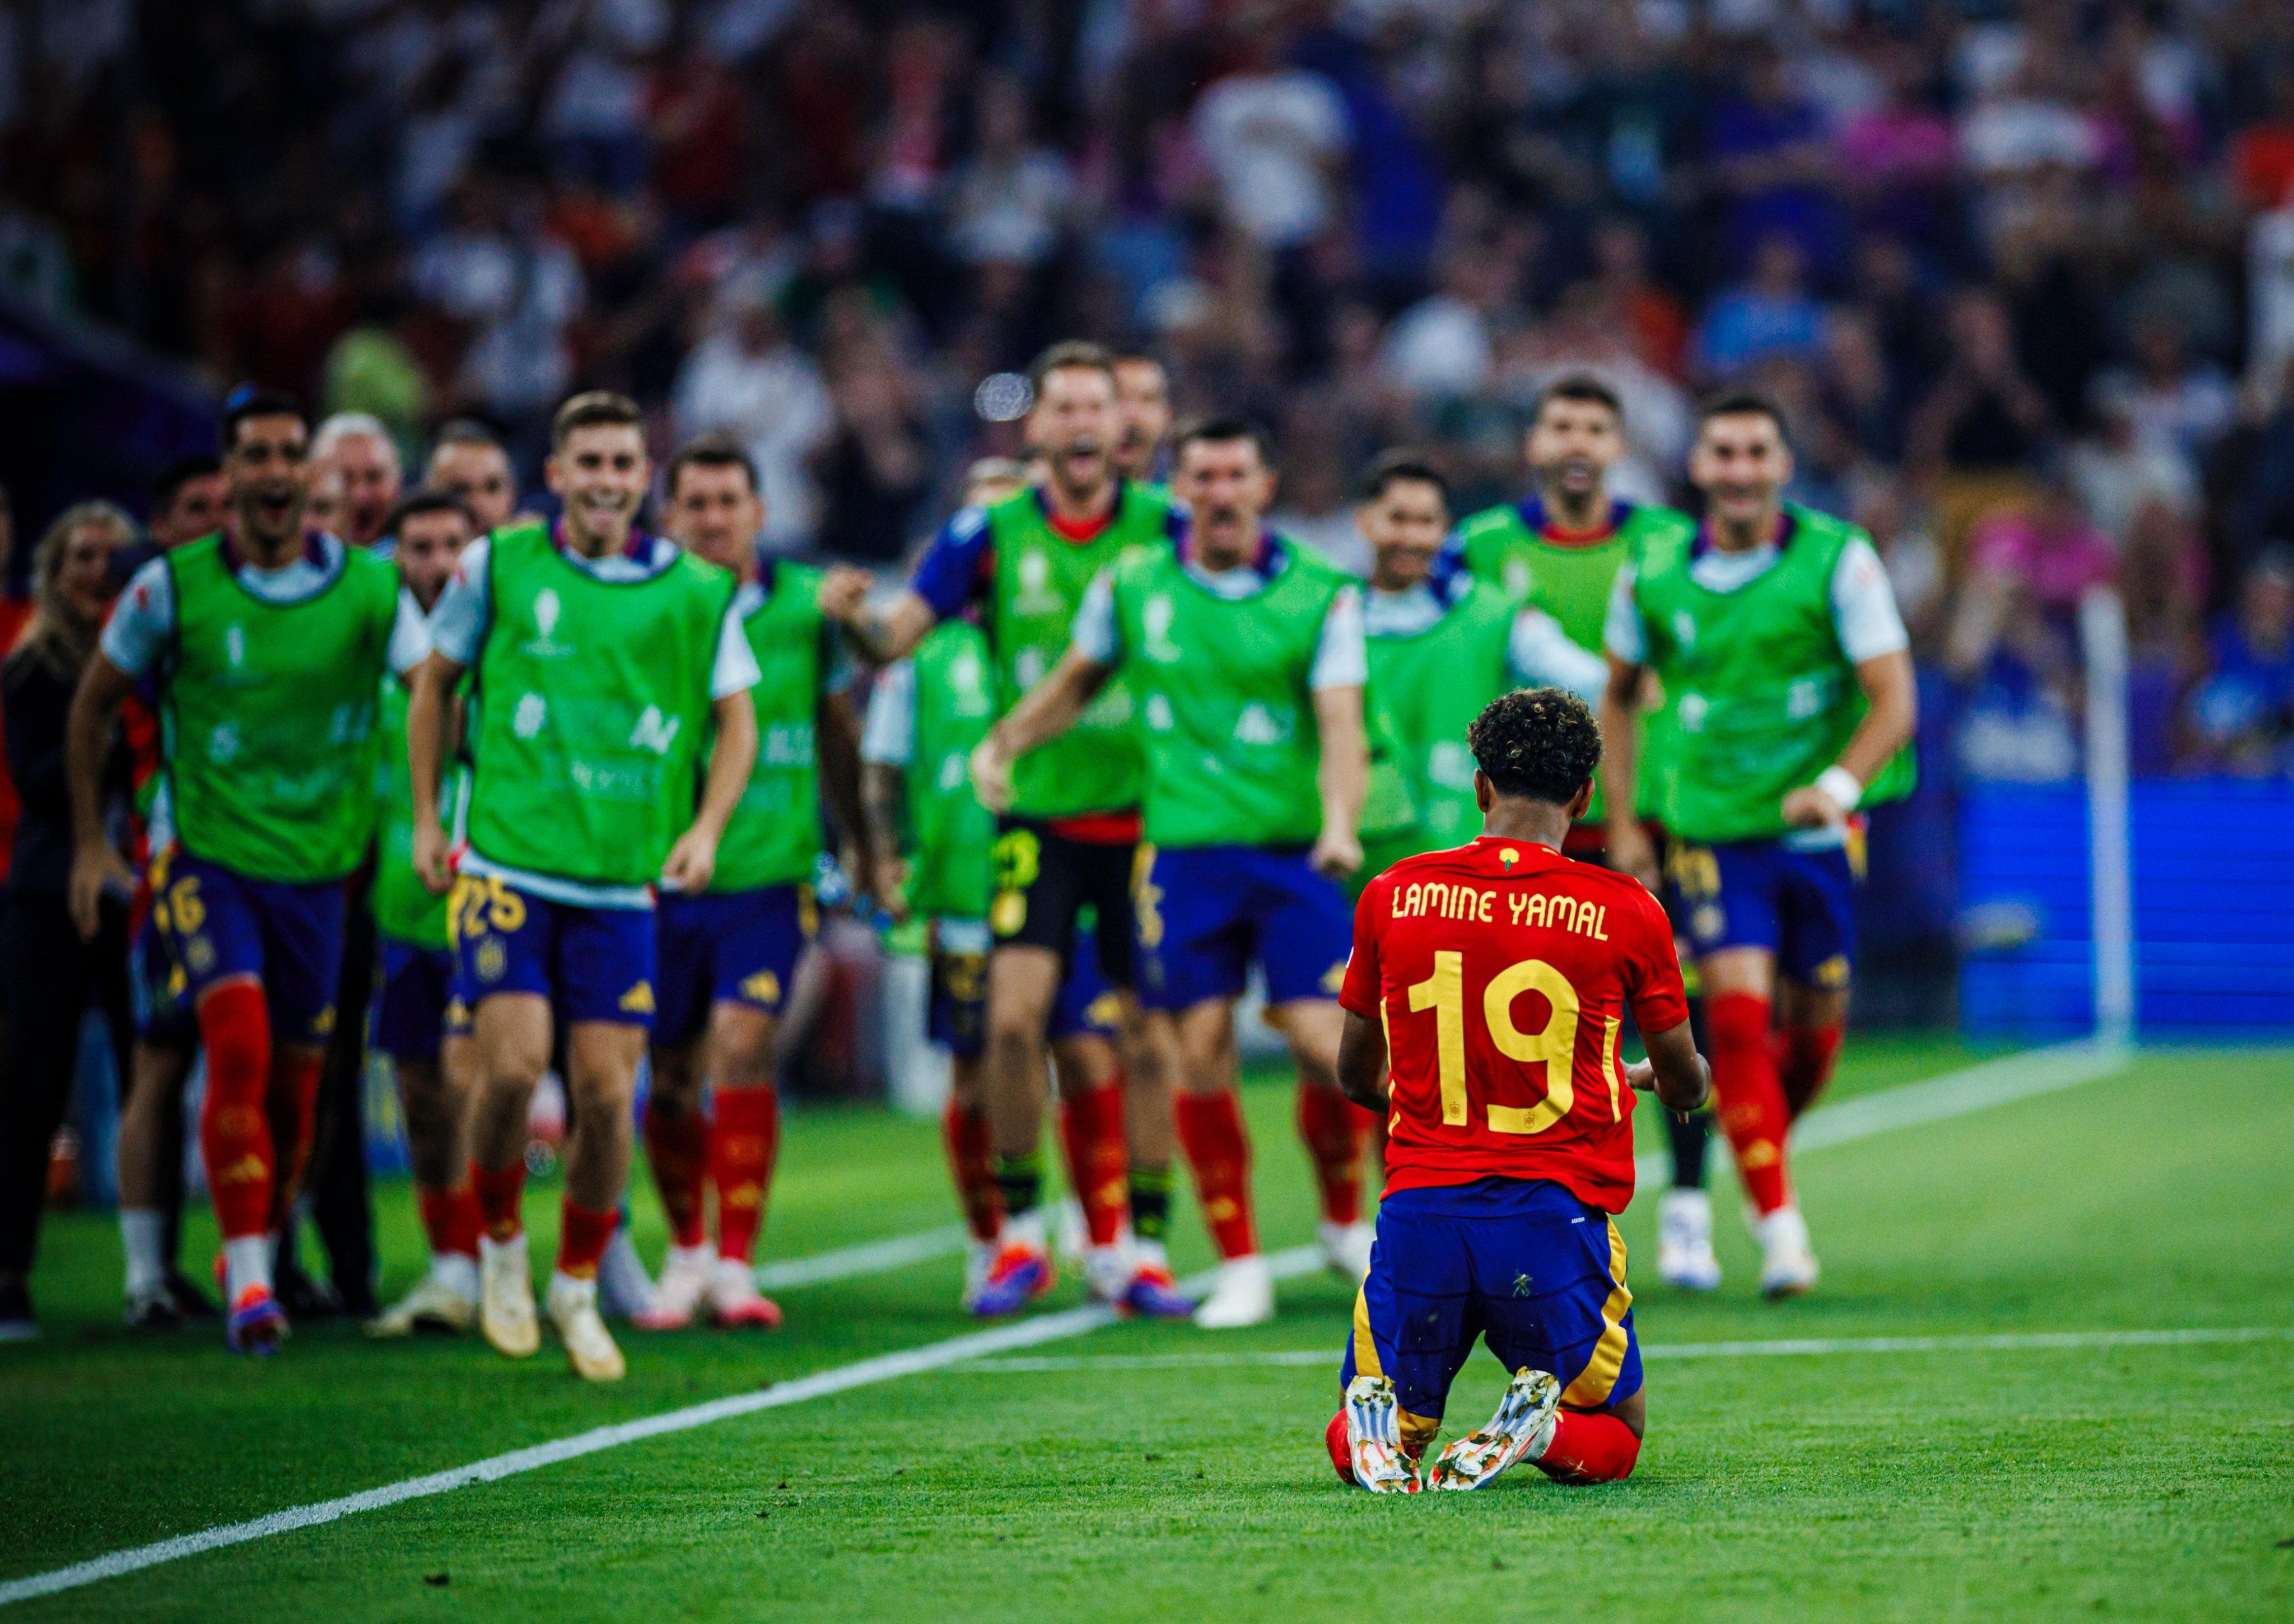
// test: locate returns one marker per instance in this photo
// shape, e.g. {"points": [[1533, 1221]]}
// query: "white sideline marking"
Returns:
{"points": [[2015, 1077], [871, 1257], [2005, 1343], [820, 1384]]}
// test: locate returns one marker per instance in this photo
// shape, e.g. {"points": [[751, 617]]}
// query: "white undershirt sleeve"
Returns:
{"points": [[1341, 657], [888, 736], [1621, 630], [1541, 652], [1864, 605]]}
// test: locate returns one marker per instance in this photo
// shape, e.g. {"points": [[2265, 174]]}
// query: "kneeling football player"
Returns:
{"points": [[1500, 975]]}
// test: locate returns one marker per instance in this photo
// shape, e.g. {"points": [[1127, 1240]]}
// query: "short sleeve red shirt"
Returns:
{"points": [[1503, 973]]}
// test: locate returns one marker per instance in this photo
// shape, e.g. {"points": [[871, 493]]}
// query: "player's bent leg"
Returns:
{"points": [[742, 1149], [1022, 981], [1739, 983], [1218, 1146], [1376, 1458], [676, 1146], [1335, 1130], [513, 1040], [602, 1062], [149, 1134], [1810, 1023], [1594, 1446], [1091, 1114], [1151, 1062], [1523, 1427], [447, 1298], [237, 1144]]}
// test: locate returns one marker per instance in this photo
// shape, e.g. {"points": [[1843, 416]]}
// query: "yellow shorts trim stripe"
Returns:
{"points": [[1598, 1378], [1365, 1345]]}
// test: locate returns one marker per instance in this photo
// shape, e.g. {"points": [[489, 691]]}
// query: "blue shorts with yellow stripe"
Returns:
{"points": [[1521, 1262]]}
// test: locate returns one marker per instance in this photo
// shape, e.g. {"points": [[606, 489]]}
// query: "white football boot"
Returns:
{"points": [[977, 1260], [1684, 1240], [1242, 1295], [1522, 1430], [1074, 1233], [1346, 1247], [505, 1298], [735, 1300], [1788, 1265], [1374, 1439], [588, 1345], [679, 1294], [446, 1299]]}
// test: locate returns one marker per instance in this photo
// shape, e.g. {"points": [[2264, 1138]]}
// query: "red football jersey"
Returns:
{"points": [[1503, 972]]}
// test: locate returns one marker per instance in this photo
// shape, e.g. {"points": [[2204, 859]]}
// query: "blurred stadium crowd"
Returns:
{"points": [[2023, 272]]}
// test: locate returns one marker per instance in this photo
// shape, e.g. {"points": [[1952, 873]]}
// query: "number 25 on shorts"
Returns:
{"points": [[1554, 1045]]}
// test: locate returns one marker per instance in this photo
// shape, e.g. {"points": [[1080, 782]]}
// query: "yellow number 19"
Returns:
{"points": [[1554, 1045]]}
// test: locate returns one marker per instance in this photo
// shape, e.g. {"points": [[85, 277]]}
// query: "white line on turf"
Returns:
{"points": [[1956, 1093], [821, 1384], [2004, 1343]]}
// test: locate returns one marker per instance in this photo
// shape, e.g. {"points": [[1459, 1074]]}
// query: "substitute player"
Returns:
{"points": [[416, 1012], [466, 460], [270, 641], [1143, 414], [1493, 981], [1560, 551], [1775, 635], [1070, 836], [1244, 655], [727, 956], [603, 658]]}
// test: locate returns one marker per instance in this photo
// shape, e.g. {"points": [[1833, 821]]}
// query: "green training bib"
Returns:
{"points": [[774, 835], [952, 837]]}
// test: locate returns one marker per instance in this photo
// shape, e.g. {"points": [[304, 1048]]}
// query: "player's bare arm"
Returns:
{"points": [[839, 737], [97, 866], [884, 632], [1674, 1072], [1047, 711], [429, 701], [694, 858], [1630, 850], [1341, 778], [1361, 1062], [884, 803], [1892, 692]]}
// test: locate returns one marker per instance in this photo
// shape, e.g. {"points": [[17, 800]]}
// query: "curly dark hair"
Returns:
{"points": [[1536, 743]]}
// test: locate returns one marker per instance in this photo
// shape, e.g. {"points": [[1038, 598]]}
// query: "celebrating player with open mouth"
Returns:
{"points": [[1498, 975], [729, 956], [604, 658], [1787, 670], [1244, 655], [1069, 832], [271, 641]]}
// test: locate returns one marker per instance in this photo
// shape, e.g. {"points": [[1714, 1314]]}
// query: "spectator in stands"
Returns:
{"points": [[2241, 718], [48, 974], [747, 380], [1768, 314]]}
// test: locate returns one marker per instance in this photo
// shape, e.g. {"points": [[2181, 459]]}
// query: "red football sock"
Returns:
{"points": [[1098, 1165], [235, 1139], [452, 1220], [1594, 1449], [964, 1131], [676, 1145], [1750, 1101], [501, 1198], [294, 1123], [1809, 1055], [1218, 1153], [1335, 1129], [583, 1236], [741, 1152]]}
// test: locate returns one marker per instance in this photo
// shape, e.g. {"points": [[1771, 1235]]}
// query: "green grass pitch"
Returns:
{"points": [[2144, 1482]]}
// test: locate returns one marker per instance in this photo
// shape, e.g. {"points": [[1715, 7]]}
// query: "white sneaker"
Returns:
{"points": [[976, 1263], [624, 1288], [588, 1345], [1346, 1247], [1522, 1430], [1243, 1294], [1374, 1439], [446, 1299], [676, 1295], [734, 1299], [1107, 1272], [1788, 1266], [505, 1298], [1684, 1240], [1075, 1234]]}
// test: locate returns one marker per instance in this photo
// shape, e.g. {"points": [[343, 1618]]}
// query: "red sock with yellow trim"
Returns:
{"points": [[294, 1123], [1218, 1153], [676, 1146], [963, 1132], [1810, 1055], [583, 1236], [1335, 1130], [451, 1219], [1091, 1136], [742, 1150], [234, 1118], [501, 1198], [1748, 1098], [1590, 1448]]}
